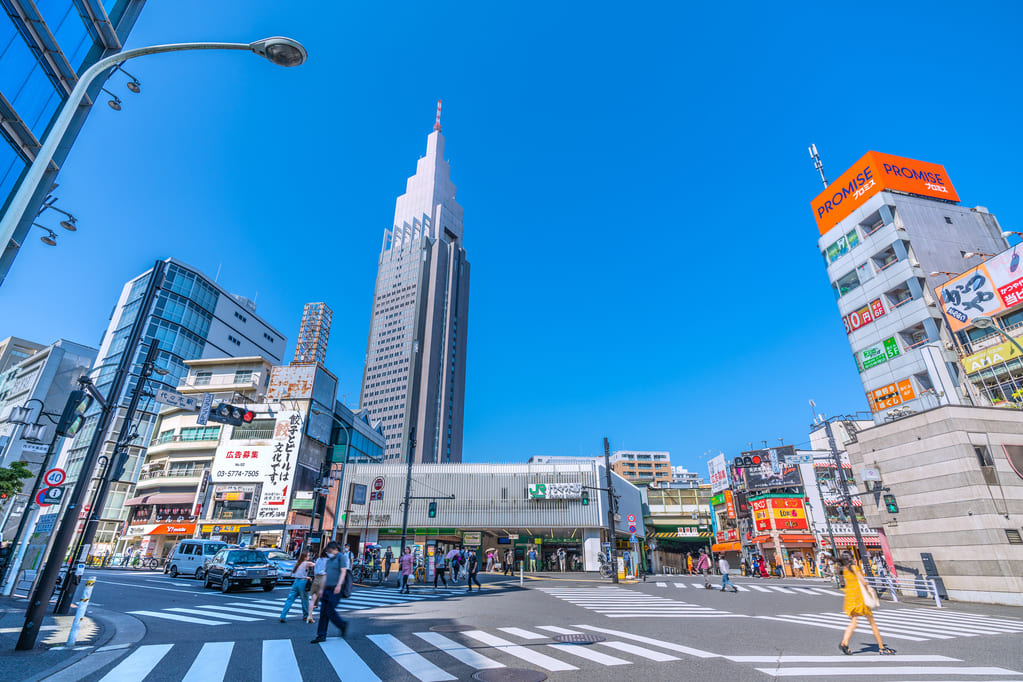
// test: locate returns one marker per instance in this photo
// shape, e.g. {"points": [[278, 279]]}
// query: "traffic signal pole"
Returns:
{"points": [[847, 498], [65, 532], [613, 552]]}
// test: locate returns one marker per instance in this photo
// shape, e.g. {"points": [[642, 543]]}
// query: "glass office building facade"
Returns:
{"points": [[44, 45]]}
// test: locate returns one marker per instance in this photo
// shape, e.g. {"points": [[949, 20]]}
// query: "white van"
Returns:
{"points": [[190, 555]]}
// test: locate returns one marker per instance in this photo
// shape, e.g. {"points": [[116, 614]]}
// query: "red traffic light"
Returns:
{"points": [[248, 416], [756, 460]]}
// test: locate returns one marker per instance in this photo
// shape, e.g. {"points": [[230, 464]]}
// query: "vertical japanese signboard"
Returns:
{"points": [[891, 395], [990, 288], [718, 469]]}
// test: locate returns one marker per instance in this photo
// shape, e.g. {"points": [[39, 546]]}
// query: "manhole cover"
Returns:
{"points": [[579, 639], [452, 628], [509, 675]]}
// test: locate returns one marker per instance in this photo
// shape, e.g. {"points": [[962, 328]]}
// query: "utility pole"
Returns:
{"points": [[112, 471], [846, 499], [613, 553], [408, 488]]}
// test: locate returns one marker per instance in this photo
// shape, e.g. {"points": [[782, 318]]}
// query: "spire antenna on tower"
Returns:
{"points": [[817, 163], [436, 126]]}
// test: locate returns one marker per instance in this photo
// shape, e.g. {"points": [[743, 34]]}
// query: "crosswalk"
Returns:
{"points": [[773, 589], [431, 656], [615, 602], [249, 610], [912, 624]]}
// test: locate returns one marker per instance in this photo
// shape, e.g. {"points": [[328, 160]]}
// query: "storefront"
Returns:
{"points": [[155, 540], [229, 533]]}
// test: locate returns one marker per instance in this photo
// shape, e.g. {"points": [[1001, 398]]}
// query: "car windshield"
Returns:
{"points": [[246, 556], [277, 556], [212, 549]]}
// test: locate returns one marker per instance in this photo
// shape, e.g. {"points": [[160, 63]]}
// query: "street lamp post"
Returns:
{"points": [[280, 51], [985, 322]]}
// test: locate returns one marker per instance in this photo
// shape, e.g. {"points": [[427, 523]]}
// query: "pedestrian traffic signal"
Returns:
{"points": [[586, 497], [432, 513], [891, 504], [73, 417], [231, 414]]}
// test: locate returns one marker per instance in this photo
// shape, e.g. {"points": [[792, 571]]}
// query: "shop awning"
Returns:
{"points": [[161, 498], [850, 541], [173, 529], [786, 538], [725, 547], [676, 536], [831, 502]]}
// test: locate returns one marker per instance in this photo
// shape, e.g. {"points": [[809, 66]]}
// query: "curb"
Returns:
{"points": [[124, 631]]}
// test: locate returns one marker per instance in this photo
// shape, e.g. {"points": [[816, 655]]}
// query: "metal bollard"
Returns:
{"points": [[83, 604], [522, 577]]}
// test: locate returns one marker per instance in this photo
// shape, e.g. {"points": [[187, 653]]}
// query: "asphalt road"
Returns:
{"points": [[664, 629]]}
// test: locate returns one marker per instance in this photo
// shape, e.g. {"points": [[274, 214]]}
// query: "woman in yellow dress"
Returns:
{"points": [[854, 606]]}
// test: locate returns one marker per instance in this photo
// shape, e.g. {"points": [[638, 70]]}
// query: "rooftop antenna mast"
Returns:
{"points": [[817, 163], [436, 125]]}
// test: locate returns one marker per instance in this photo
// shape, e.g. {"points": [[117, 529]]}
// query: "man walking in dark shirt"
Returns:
{"points": [[337, 568]]}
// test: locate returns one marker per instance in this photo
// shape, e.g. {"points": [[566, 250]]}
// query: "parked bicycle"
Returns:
{"points": [[605, 566]]}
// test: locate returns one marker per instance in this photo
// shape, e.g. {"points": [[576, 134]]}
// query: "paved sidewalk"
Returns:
{"points": [[49, 651]]}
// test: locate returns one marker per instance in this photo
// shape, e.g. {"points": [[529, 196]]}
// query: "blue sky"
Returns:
{"points": [[635, 181]]}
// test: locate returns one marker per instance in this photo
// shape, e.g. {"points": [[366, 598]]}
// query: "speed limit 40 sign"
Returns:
{"points": [[55, 477]]}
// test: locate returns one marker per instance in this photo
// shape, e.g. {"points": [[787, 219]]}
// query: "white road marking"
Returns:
{"points": [[640, 651], [824, 673], [138, 664], [408, 659], [670, 646], [208, 614], [558, 631], [173, 616], [859, 658], [211, 663], [534, 657], [279, 660], [816, 623], [758, 588], [463, 654], [662, 584], [344, 660], [589, 654], [524, 634]]}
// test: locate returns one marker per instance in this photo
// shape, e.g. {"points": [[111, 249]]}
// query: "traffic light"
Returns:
{"points": [[226, 413], [751, 460], [432, 513], [586, 497], [737, 462], [73, 417], [891, 504]]}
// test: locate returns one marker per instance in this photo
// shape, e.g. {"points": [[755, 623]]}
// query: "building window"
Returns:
{"points": [[257, 428], [193, 433], [983, 456], [948, 220], [243, 376], [240, 316], [846, 283], [203, 378]]}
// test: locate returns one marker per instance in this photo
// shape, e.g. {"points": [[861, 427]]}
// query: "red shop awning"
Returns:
{"points": [[786, 539], [850, 541]]}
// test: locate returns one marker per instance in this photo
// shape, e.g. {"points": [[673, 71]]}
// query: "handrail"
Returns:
{"points": [[888, 264], [918, 344], [903, 302], [893, 585]]}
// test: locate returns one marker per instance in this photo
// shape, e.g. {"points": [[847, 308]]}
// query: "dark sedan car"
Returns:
{"points": [[240, 568], [284, 564]]}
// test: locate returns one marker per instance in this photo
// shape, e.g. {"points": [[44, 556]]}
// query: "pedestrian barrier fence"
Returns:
{"points": [[918, 587]]}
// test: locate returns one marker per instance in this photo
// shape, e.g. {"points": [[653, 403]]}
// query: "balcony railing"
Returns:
{"points": [[172, 473], [218, 380]]}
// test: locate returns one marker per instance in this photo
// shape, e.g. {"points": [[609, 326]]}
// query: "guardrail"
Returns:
{"points": [[919, 587]]}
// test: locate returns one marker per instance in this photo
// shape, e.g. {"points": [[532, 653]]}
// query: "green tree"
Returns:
{"points": [[11, 478]]}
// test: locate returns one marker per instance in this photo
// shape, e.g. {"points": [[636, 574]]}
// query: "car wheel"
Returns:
{"points": [[198, 574], [174, 571], [268, 587], [225, 585], [206, 584]]}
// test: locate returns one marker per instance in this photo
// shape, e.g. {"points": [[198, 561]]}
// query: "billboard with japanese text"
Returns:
{"points": [[873, 173], [270, 462], [994, 286], [718, 470], [891, 395], [787, 513]]}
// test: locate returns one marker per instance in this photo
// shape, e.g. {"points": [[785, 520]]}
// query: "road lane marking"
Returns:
{"points": [[344, 660], [466, 655], [778, 588], [670, 646], [524, 634], [558, 631], [640, 651], [534, 657], [842, 619], [408, 659], [211, 663], [824, 590], [758, 588], [279, 660], [590, 655], [816, 623], [911, 658], [663, 584], [138, 664], [194, 593], [199, 612], [824, 673], [172, 616]]}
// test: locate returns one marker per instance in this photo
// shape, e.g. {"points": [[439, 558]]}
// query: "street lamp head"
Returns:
{"points": [[70, 225], [50, 239], [281, 51], [982, 322], [135, 86]]}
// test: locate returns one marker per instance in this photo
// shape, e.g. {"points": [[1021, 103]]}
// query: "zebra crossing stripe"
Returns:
{"points": [[742, 588], [641, 651], [558, 631], [978, 619], [198, 612], [778, 588], [803, 590], [860, 658], [681, 585], [174, 616], [824, 590], [408, 659], [211, 663], [662, 584], [816, 623], [589, 654], [524, 634], [842, 619], [344, 660], [463, 654], [534, 657], [758, 588], [826, 673], [670, 646], [265, 612], [279, 656], [909, 620], [138, 664]]}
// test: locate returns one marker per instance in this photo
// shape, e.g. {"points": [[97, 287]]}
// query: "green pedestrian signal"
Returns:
{"points": [[891, 504], [433, 510], [586, 497]]}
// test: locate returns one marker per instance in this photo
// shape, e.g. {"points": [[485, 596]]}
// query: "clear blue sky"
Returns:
{"points": [[635, 181]]}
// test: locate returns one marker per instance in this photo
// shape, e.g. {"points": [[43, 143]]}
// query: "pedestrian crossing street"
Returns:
{"points": [[774, 589], [615, 602], [249, 610], [434, 657], [912, 624]]}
